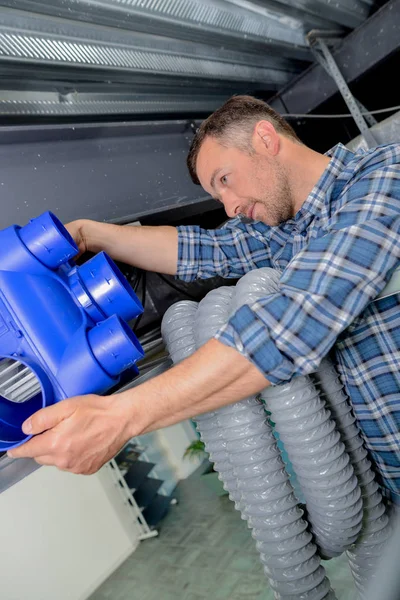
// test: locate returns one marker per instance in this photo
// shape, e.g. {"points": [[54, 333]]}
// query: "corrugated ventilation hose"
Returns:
{"points": [[314, 420]]}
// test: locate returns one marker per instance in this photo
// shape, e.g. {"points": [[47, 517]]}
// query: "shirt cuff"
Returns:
{"points": [[249, 337]]}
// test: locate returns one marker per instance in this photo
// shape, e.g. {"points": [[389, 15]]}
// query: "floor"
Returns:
{"points": [[204, 551]]}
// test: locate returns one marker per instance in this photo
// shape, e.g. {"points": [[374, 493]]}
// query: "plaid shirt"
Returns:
{"points": [[335, 255]]}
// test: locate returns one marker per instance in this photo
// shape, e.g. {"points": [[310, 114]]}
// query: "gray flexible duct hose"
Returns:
{"points": [[287, 553], [177, 330], [365, 554], [385, 584], [242, 444], [265, 495], [212, 313], [260, 475], [324, 472]]}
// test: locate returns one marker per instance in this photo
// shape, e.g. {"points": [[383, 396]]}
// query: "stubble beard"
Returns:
{"points": [[277, 206]]}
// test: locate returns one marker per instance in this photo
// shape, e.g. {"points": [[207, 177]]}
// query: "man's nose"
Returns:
{"points": [[231, 203]]}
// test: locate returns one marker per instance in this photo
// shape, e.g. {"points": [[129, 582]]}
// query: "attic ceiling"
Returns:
{"points": [[113, 57]]}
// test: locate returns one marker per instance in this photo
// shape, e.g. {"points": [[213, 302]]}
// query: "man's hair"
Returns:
{"points": [[233, 124]]}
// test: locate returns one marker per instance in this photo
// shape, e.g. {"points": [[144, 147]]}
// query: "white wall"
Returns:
{"points": [[61, 535]]}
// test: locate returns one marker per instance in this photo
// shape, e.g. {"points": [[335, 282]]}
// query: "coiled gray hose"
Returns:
{"points": [[242, 446], [212, 313], [261, 479], [365, 554], [178, 333], [386, 582], [324, 472]]}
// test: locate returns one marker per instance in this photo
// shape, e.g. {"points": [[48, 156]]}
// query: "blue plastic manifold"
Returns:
{"points": [[63, 329]]}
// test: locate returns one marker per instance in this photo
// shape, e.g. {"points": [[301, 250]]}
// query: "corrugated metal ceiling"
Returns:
{"points": [[156, 56]]}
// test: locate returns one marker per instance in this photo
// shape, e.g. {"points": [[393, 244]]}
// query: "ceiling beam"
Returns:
{"points": [[363, 49]]}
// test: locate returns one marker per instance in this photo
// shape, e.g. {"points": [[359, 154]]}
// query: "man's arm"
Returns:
{"points": [[149, 248], [324, 288], [189, 252], [82, 433]]}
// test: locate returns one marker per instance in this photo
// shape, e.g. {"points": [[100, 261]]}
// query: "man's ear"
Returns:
{"points": [[266, 138]]}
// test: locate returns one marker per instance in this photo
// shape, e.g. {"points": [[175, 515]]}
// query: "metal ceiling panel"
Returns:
{"points": [[314, 13], [214, 21], [151, 47], [40, 39], [18, 102]]}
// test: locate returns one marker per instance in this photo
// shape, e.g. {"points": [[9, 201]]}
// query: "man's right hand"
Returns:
{"points": [[77, 230], [149, 248]]}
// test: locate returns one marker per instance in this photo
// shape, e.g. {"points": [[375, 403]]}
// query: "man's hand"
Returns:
{"points": [[77, 435], [146, 247], [81, 434], [76, 229]]}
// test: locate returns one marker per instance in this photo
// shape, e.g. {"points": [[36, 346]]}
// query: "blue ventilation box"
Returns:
{"points": [[63, 329]]}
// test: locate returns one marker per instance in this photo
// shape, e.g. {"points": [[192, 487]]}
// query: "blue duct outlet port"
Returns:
{"points": [[63, 329]]}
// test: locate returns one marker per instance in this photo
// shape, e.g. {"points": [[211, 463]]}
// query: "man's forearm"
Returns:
{"points": [[212, 377], [150, 248], [81, 434]]}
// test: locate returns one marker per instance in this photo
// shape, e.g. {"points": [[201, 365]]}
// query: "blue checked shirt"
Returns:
{"points": [[335, 255]]}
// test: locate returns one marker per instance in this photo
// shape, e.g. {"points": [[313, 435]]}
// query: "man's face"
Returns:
{"points": [[254, 185]]}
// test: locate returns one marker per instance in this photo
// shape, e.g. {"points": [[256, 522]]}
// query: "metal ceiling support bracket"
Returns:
{"points": [[320, 49], [361, 51], [367, 115]]}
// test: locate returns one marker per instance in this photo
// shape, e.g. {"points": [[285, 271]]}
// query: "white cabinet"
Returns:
{"points": [[62, 535]]}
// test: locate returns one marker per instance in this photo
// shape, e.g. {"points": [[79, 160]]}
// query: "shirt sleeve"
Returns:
{"points": [[230, 251], [326, 285]]}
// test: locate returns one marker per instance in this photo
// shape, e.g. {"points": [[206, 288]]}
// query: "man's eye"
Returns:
{"points": [[224, 179]]}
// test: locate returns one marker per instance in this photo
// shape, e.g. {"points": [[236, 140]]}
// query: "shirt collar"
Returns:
{"points": [[340, 157]]}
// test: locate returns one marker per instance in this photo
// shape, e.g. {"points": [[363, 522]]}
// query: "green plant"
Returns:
{"points": [[195, 450]]}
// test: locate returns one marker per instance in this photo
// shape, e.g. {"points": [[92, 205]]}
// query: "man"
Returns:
{"points": [[330, 223]]}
